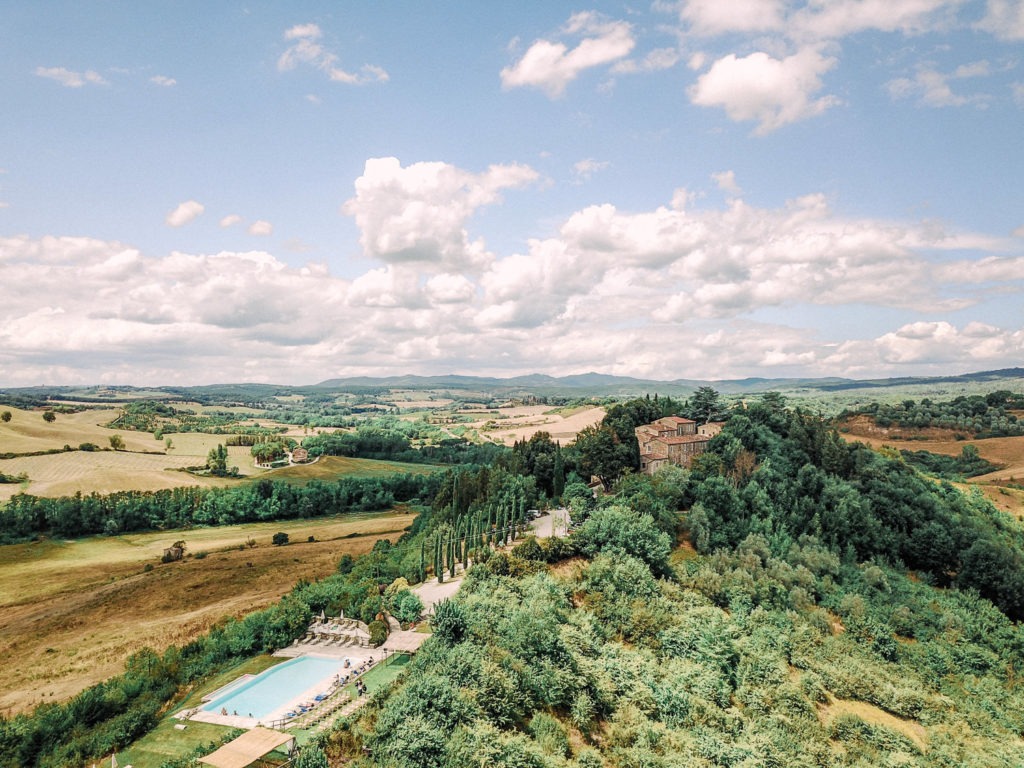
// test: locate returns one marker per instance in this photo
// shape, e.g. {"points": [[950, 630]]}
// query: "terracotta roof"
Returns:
{"points": [[677, 420]]}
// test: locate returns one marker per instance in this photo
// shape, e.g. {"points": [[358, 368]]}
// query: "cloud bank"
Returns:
{"points": [[667, 292]]}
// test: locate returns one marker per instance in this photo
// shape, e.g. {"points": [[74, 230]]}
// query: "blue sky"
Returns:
{"points": [[198, 193]]}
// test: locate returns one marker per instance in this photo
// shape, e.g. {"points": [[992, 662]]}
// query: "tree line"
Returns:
{"points": [[25, 516]]}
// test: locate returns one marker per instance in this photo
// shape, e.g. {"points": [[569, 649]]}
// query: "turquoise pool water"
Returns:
{"points": [[274, 687]]}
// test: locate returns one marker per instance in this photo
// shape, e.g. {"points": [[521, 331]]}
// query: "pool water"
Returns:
{"points": [[273, 687]]}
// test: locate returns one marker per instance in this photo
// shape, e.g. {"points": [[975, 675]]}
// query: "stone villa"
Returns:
{"points": [[672, 440]]}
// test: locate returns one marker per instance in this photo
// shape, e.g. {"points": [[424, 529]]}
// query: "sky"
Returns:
{"points": [[197, 193]]}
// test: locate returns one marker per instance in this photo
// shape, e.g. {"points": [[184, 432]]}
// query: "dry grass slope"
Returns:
{"points": [[71, 612]]}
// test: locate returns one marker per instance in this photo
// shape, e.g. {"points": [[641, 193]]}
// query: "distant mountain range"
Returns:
{"points": [[605, 384], [539, 385]]}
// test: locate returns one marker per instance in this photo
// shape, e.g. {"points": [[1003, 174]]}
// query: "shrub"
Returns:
{"points": [[378, 632], [406, 606], [549, 734], [280, 539], [449, 622]]}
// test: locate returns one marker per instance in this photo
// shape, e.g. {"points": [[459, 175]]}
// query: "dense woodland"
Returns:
{"points": [[25, 516], [839, 609]]}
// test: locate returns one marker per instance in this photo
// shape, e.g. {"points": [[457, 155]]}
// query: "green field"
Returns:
{"points": [[333, 467], [166, 742]]}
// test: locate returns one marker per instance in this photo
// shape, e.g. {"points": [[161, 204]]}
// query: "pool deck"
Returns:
{"points": [[357, 656]]}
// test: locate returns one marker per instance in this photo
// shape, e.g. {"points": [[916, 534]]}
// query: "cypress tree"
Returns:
{"points": [[438, 561]]}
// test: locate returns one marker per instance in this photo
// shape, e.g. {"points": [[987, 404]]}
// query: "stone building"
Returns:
{"points": [[672, 440]]}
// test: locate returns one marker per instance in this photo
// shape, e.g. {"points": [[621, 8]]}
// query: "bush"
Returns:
{"points": [[280, 539], [449, 622], [378, 632], [406, 606]]}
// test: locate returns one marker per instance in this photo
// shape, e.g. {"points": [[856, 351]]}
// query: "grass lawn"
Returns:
{"points": [[166, 742], [382, 674], [334, 467]]}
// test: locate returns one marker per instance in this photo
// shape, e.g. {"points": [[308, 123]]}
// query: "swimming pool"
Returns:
{"points": [[272, 688]]}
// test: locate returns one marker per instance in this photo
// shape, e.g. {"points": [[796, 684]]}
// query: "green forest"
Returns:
{"points": [[791, 599]]}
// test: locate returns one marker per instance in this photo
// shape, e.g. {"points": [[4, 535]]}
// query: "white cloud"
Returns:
{"points": [[299, 31], [726, 181], [939, 344], [653, 61], [820, 20], [583, 170], [184, 213], [932, 88], [839, 18], [163, 80], [305, 49], [230, 220], [551, 66], [773, 92], [713, 17], [1004, 19], [261, 228], [419, 213], [449, 289], [608, 289], [4, 204], [69, 78]]}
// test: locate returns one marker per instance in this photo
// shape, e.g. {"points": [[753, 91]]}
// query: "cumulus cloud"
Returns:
{"points": [[261, 228], [306, 49], [231, 220], [583, 170], [606, 289], [184, 213], [419, 213], [303, 31], [838, 18], [1017, 89], [1004, 19], [773, 92], [69, 78], [551, 66], [726, 181], [932, 88], [712, 17], [818, 21], [163, 80], [653, 61]]}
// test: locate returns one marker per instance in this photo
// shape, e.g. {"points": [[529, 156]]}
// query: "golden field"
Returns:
{"points": [[71, 612]]}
